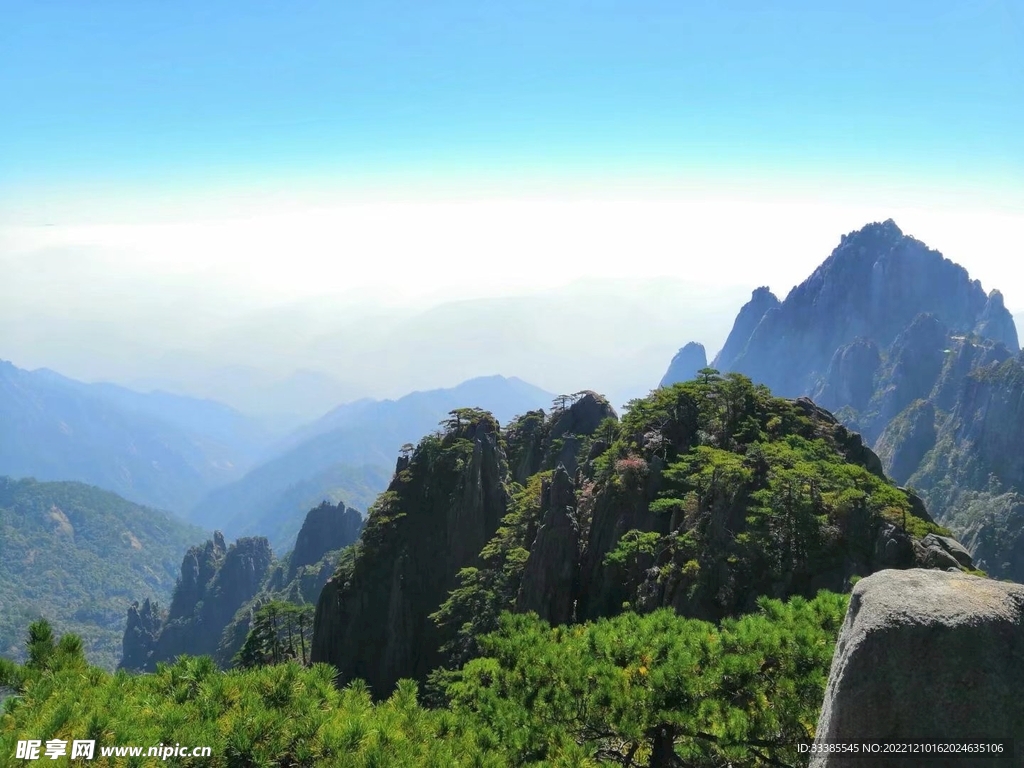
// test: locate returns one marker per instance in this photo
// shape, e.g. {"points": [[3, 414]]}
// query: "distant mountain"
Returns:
{"points": [[684, 366], [278, 403], [75, 554], [349, 453], [904, 347], [872, 286], [156, 449]]}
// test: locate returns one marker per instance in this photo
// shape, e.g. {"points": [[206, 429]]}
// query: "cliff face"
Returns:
{"points": [[215, 582], [327, 528], [975, 472], [444, 503], [762, 302]]}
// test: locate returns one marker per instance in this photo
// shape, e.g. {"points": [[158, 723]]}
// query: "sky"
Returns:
{"points": [[172, 175]]}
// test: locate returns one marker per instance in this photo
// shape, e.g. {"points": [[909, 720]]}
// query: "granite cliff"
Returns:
{"points": [[445, 501]]}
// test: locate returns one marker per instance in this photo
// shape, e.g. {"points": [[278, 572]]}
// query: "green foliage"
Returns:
{"points": [[280, 631], [655, 690], [77, 556], [638, 690]]}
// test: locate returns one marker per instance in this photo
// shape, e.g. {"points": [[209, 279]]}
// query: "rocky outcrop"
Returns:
{"points": [[996, 323], [537, 441], [444, 503], [685, 364], [926, 655], [141, 635], [762, 301], [549, 578], [215, 583], [327, 528]]}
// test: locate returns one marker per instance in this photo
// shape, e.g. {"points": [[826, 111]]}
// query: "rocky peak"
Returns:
{"points": [[996, 323], [372, 620], [326, 528], [141, 634], [762, 301], [872, 286], [685, 364], [215, 582], [198, 568], [583, 416]]}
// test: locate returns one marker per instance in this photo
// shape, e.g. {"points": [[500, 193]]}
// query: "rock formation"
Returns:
{"points": [[444, 503], [327, 528], [549, 578], [905, 348], [216, 581], [220, 587], [685, 364], [926, 655]]}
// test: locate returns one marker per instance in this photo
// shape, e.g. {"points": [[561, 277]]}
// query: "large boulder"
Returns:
{"points": [[926, 655]]}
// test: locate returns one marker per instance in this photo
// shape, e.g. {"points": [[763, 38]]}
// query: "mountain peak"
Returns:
{"points": [[688, 360], [872, 286]]}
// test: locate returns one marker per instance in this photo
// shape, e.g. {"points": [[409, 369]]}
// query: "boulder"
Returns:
{"points": [[926, 655]]}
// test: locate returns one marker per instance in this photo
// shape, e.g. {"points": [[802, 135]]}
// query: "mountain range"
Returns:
{"points": [[156, 449], [76, 555], [348, 454], [905, 348]]}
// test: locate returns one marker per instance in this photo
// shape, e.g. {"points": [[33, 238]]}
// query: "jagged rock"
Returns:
{"points": [[997, 323], [215, 582], [140, 635], [951, 546], [684, 366], [372, 622], [872, 286], [926, 655], [762, 301], [549, 578], [850, 378], [326, 528]]}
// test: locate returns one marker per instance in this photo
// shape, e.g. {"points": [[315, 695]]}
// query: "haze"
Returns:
{"points": [[372, 199]]}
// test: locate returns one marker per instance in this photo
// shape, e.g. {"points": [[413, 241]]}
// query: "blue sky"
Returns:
{"points": [[100, 97], [168, 167]]}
